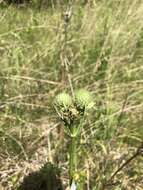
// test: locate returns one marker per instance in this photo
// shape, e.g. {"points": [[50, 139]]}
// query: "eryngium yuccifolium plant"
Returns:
{"points": [[63, 100], [71, 111], [83, 100]]}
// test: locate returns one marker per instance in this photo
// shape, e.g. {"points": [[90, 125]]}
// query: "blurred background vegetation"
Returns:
{"points": [[103, 48]]}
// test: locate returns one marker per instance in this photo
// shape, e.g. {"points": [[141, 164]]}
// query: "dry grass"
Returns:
{"points": [[104, 53]]}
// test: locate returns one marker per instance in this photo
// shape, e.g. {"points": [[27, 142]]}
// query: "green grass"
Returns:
{"points": [[104, 52]]}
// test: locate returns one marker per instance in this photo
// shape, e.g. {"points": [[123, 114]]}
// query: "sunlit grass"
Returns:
{"points": [[104, 51]]}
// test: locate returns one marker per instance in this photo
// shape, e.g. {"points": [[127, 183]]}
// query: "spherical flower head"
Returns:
{"points": [[83, 99], [63, 100]]}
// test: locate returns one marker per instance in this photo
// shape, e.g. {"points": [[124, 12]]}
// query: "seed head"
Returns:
{"points": [[63, 100], [83, 99]]}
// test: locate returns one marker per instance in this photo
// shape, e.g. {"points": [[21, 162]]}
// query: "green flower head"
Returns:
{"points": [[63, 100], [83, 99]]}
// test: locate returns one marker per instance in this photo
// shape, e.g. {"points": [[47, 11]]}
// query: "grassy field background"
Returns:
{"points": [[103, 53]]}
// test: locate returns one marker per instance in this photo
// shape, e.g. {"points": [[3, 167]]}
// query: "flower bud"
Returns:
{"points": [[83, 99], [63, 100]]}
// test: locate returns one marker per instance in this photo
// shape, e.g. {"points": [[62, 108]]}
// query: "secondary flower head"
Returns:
{"points": [[63, 100], [83, 99]]}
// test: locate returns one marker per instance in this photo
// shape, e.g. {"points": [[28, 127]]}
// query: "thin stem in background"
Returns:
{"points": [[64, 53], [138, 152], [122, 110]]}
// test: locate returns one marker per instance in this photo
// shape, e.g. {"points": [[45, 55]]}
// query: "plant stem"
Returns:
{"points": [[137, 153], [72, 158]]}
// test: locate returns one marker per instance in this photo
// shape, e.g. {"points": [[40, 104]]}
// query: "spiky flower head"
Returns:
{"points": [[63, 100], [83, 99]]}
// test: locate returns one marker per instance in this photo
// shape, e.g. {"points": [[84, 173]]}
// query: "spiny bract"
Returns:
{"points": [[83, 99], [63, 100]]}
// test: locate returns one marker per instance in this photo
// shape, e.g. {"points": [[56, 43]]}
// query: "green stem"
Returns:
{"points": [[72, 158]]}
